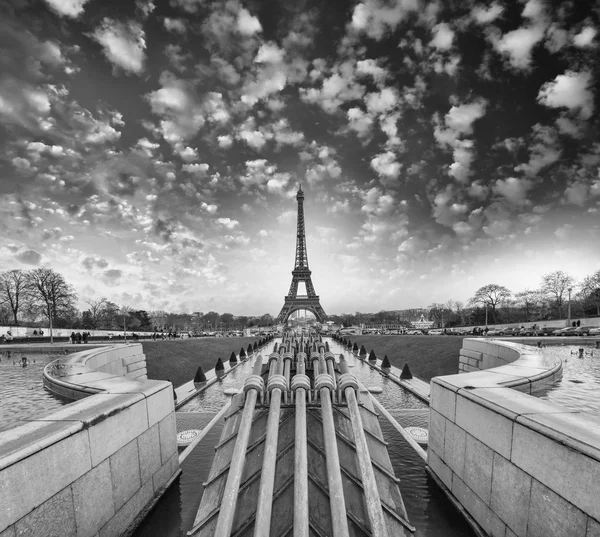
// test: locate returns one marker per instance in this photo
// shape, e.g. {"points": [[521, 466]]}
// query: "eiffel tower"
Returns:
{"points": [[301, 273]]}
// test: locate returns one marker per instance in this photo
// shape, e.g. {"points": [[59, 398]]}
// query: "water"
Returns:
{"points": [[22, 392], [579, 386], [428, 508]]}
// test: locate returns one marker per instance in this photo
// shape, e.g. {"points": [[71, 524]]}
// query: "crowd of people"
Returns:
{"points": [[78, 337]]}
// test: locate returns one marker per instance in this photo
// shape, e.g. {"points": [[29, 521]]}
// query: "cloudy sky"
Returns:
{"points": [[150, 151]]}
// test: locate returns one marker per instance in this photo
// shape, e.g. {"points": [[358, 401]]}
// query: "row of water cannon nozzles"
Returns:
{"points": [[233, 359]]}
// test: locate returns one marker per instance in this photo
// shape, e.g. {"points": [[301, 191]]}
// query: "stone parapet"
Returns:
{"points": [[92, 467], [518, 465]]}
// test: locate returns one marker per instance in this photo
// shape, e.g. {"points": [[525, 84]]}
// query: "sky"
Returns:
{"points": [[150, 151]]}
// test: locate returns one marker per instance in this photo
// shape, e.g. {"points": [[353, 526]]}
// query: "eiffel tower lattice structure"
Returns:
{"points": [[301, 273]]}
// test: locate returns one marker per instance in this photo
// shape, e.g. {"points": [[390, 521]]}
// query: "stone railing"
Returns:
{"points": [[92, 467], [518, 465]]}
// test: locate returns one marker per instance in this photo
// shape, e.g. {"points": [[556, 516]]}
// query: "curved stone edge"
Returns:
{"points": [[517, 464], [97, 463]]}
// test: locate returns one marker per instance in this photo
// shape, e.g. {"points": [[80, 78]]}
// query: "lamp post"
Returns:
{"points": [[486, 315], [569, 307], [124, 324]]}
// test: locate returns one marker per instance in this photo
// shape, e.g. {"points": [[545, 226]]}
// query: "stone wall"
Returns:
{"points": [[91, 468], [518, 465]]}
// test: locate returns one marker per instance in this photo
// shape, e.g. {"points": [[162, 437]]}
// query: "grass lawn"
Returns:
{"points": [[179, 359], [427, 356]]}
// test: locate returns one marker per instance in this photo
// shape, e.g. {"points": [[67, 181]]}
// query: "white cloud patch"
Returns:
{"points": [[513, 190], [248, 24], [68, 8], [386, 165], [227, 222], [519, 43], [225, 141], [585, 38], [359, 122], [458, 123], [443, 36], [123, 44], [269, 53], [175, 25], [571, 90], [336, 89], [373, 69], [376, 17], [484, 15]]}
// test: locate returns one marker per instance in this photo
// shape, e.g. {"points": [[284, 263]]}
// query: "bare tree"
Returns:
{"points": [[491, 295], [49, 291], [555, 285], [591, 289], [95, 311], [13, 292]]}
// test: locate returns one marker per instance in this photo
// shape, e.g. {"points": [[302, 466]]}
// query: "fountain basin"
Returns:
{"points": [[512, 461]]}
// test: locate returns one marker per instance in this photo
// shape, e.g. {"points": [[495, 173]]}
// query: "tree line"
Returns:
{"points": [[35, 297], [40, 296]]}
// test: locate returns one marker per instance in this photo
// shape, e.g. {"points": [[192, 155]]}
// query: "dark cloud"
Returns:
{"points": [[29, 257], [113, 274], [164, 229], [94, 262]]}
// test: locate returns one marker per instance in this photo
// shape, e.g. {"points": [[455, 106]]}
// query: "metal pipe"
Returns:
{"points": [[371, 492], [286, 373], [301, 527], [238, 460], [262, 524], [337, 503]]}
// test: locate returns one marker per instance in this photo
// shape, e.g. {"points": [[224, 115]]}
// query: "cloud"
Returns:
{"points": [[459, 122], [544, 150], [585, 38], [225, 141], [577, 193], [571, 90], [485, 16], [199, 169], [443, 37], [92, 262], [248, 24], [376, 18], [68, 8], [373, 69], [269, 53], [336, 89], [383, 101], [123, 44], [518, 44], [386, 166], [513, 189], [175, 25], [227, 223], [29, 257]]}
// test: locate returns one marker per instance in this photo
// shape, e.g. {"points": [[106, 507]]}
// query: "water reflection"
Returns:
{"points": [[22, 392], [580, 383]]}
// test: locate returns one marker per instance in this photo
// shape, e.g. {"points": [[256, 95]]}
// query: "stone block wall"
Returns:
{"points": [[520, 466], [92, 467], [478, 354]]}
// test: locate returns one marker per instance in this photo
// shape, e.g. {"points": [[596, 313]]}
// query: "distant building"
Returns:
{"points": [[422, 324]]}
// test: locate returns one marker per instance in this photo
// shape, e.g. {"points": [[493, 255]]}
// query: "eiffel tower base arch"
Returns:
{"points": [[291, 305]]}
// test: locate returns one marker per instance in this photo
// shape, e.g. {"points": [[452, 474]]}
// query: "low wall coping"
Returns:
{"points": [[579, 430], [112, 393]]}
